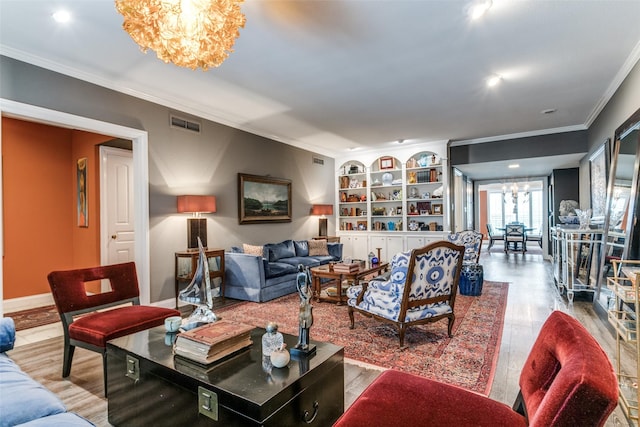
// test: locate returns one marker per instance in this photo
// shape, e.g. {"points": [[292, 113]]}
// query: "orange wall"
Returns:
{"points": [[482, 217], [39, 188]]}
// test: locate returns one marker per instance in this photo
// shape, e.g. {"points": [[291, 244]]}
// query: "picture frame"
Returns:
{"points": [[598, 165], [386, 162], [437, 209], [263, 199], [81, 199], [424, 212]]}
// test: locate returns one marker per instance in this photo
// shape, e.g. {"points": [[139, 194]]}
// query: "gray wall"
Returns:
{"points": [[181, 162], [620, 107]]}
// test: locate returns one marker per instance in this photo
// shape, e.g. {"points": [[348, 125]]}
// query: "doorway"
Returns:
{"points": [[139, 140]]}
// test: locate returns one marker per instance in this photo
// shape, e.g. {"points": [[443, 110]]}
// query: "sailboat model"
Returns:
{"points": [[199, 293]]}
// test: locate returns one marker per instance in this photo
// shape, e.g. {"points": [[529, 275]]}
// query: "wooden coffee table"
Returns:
{"points": [[336, 278]]}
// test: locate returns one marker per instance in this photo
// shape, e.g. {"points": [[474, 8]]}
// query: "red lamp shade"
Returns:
{"points": [[197, 226], [196, 204], [321, 209]]}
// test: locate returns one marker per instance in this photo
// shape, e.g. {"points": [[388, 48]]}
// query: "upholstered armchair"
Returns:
{"points": [[422, 288], [567, 381], [472, 273]]}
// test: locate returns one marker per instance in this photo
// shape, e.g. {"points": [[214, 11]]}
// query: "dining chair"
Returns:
{"points": [[90, 318], [567, 380], [492, 236], [422, 288], [514, 237]]}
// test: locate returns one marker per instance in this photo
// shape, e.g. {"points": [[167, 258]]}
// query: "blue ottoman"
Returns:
{"points": [[471, 278]]}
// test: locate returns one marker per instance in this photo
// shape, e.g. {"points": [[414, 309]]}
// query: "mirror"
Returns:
{"points": [[621, 236]]}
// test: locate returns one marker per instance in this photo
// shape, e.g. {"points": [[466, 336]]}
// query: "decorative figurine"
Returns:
{"points": [[305, 316], [272, 339], [199, 294]]}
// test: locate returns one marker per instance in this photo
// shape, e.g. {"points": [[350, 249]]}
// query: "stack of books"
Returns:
{"points": [[214, 341], [342, 267]]}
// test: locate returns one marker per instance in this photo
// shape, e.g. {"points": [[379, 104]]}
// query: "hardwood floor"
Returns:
{"points": [[532, 297]]}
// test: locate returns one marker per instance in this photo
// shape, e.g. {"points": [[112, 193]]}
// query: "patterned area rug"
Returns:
{"points": [[467, 360], [33, 317]]}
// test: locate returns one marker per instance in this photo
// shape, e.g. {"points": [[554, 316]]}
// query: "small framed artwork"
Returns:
{"points": [[386, 163], [437, 209], [81, 181], [424, 212]]}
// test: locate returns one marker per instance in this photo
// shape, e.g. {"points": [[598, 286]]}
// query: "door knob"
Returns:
{"points": [[114, 236]]}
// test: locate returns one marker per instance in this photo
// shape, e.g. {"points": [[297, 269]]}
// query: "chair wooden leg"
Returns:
{"points": [[68, 357], [402, 328], [351, 325], [452, 318], [104, 371]]}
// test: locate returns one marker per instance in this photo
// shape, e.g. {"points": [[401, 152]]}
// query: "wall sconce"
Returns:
{"points": [[322, 210], [196, 226]]}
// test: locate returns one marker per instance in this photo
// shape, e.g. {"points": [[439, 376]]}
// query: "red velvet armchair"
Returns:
{"points": [[567, 381], [87, 327]]}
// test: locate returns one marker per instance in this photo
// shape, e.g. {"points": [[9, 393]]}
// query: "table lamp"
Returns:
{"points": [[196, 226], [322, 210]]}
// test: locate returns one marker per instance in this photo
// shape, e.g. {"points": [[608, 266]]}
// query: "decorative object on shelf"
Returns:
{"points": [[322, 210], [387, 178], [354, 183], [305, 313], [271, 339], [423, 161], [568, 207], [344, 182], [434, 160], [414, 193], [412, 178], [354, 169], [437, 209], [386, 163], [280, 356], [437, 193], [584, 217], [263, 199], [199, 294], [413, 226], [196, 226], [412, 163], [193, 34]]}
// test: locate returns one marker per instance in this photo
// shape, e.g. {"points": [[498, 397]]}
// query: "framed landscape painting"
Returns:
{"points": [[263, 199]]}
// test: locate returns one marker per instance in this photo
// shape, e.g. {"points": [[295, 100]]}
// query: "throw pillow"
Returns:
{"points": [[252, 249], [318, 248]]}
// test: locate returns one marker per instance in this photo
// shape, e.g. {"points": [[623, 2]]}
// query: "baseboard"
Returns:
{"points": [[25, 303]]}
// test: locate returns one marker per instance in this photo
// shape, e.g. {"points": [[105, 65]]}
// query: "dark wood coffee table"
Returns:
{"points": [[336, 278], [148, 387]]}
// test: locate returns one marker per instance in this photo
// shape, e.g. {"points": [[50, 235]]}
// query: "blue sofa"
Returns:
{"points": [[23, 401], [272, 275]]}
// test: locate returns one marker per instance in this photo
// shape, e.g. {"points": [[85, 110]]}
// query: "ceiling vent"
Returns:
{"points": [[180, 123], [317, 161]]}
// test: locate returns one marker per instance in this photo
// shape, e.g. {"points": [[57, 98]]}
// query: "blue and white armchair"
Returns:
{"points": [[472, 274], [421, 289]]}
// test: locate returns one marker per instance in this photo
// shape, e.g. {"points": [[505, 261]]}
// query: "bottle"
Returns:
{"points": [[272, 339]]}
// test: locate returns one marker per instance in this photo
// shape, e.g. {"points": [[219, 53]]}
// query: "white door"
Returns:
{"points": [[116, 205]]}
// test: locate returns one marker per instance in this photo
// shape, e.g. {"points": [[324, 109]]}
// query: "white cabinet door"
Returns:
{"points": [[354, 247], [415, 242], [389, 246]]}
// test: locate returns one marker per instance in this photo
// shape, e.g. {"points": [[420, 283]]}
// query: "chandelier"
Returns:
{"points": [[189, 33], [514, 195]]}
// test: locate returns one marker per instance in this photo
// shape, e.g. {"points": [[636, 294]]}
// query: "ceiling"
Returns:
{"points": [[338, 76]]}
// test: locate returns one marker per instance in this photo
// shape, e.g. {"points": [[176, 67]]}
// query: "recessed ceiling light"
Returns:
{"points": [[479, 8], [62, 16], [513, 166], [400, 141], [494, 80], [548, 111]]}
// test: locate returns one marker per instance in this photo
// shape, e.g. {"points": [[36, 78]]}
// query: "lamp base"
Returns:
{"points": [[322, 227], [196, 227]]}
